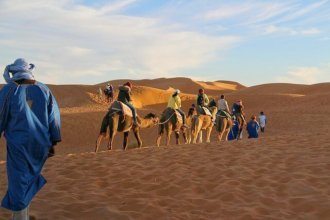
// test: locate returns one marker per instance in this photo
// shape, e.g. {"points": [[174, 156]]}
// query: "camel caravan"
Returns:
{"points": [[203, 117]]}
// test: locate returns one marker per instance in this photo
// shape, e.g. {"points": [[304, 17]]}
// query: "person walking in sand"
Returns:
{"points": [[262, 121], [253, 127], [30, 121]]}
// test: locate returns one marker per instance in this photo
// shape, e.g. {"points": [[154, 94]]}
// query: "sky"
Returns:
{"points": [[92, 41]]}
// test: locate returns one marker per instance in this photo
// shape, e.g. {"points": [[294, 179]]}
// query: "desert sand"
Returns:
{"points": [[283, 175]]}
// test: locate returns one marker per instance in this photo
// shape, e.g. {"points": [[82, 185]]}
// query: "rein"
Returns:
{"points": [[160, 123]]}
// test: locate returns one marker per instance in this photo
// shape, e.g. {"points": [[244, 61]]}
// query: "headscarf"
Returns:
{"points": [[20, 69]]}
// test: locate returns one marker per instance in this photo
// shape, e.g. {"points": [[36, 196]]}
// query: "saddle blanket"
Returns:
{"points": [[119, 106], [207, 111]]}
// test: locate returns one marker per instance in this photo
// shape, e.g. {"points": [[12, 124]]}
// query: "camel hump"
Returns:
{"points": [[121, 107]]}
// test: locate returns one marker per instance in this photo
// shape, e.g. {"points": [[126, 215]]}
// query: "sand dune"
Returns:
{"points": [[186, 85], [283, 175]]}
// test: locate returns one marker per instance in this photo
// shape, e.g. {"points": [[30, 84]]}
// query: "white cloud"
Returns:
{"points": [[287, 18], [227, 11], [310, 31], [272, 29], [306, 75], [117, 6], [71, 43], [303, 11]]}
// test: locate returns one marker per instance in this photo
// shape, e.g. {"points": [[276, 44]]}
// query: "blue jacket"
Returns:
{"points": [[253, 129], [30, 121]]}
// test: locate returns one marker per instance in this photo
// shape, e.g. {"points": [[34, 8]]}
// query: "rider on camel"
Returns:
{"points": [[202, 101], [124, 96], [238, 110], [175, 103]]}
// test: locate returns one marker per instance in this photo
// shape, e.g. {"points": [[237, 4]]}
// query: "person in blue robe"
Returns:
{"points": [[253, 127], [30, 122], [232, 135]]}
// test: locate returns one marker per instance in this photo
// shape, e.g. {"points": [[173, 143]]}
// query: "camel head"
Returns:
{"points": [[153, 117]]}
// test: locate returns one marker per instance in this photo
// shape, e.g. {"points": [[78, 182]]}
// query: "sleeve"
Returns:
{"points": [[179, 101], [54, 120], [207, 100], [128, 96], [227, 107], [6, 74], [5, 94]]}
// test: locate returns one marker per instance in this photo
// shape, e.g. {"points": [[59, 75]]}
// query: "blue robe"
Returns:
{"points": [[253, 129], [30, 121], [233, 132]]}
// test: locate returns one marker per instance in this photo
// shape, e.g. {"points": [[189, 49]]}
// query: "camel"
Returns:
{"points": [[170, 122], [116, 122], [203, 122], [223, 126]]}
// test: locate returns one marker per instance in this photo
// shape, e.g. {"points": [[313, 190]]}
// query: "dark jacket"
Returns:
{"points": [[124, 94], [237, 109], [202, 100]]}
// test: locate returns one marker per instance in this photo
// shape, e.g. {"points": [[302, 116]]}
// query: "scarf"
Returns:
{"points": [[20, 69]]}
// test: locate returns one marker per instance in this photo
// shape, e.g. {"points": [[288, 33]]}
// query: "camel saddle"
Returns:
{"points": [[223, 114], [121, 107], [206, 111]]}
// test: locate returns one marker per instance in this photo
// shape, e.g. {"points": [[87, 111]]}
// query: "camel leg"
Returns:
{"points": [[125, 140], [168, 138], [98, 142], [200, 136], [160, 134], [110, 141], [184, 136], [111, 137], [220, 135], [113, 126], [194, 135], [137, 136], [226, 134], [177, 136], [188, 136], [208, 134]]}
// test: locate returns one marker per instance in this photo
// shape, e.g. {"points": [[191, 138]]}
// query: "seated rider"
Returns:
{"points": [[223, 104], [238, 110], [109, 92], [175, 103], [124, 96], [202, 101]]}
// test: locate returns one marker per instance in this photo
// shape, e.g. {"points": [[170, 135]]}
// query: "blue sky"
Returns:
{"points": [[87, 42]]}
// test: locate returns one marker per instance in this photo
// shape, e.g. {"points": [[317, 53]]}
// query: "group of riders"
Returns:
{"points": [[202, 107]]}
